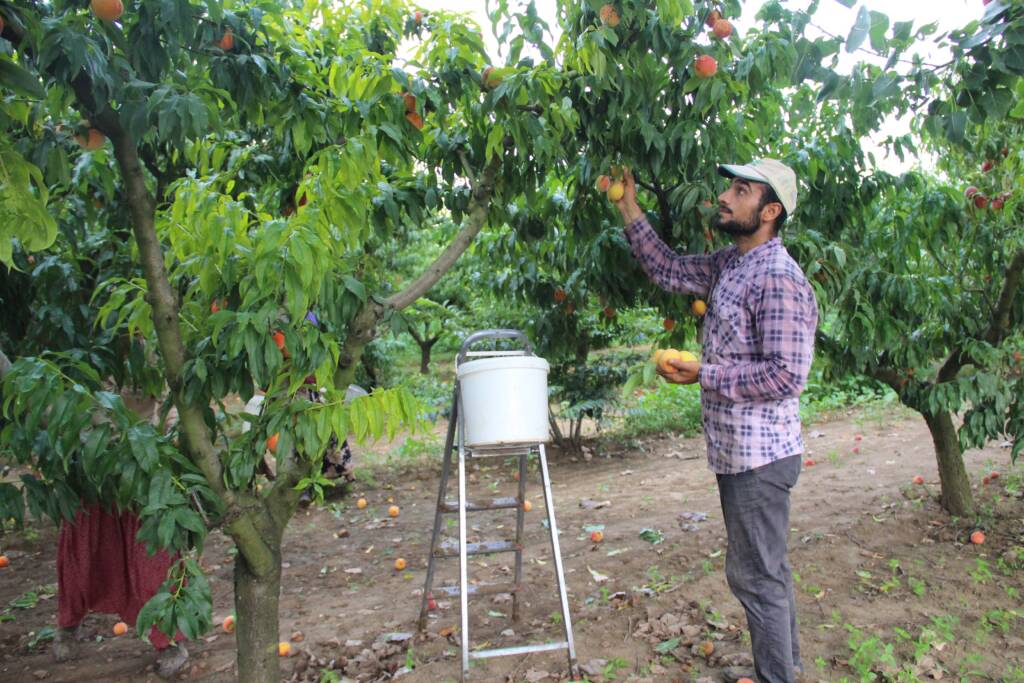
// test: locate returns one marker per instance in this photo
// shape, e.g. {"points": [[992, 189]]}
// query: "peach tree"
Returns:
{"points": [[257, 155], [923, 275]]}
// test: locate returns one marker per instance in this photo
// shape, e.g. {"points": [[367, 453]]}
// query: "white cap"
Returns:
{"points": [[776, 174]]}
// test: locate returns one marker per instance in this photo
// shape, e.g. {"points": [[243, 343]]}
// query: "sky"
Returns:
{"points": [[831, 17]]}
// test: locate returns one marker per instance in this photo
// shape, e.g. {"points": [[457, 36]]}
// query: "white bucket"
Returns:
{"points": [[504, 400]]}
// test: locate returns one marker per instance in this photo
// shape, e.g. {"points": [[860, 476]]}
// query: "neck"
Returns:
{"points": [[747, 242]]}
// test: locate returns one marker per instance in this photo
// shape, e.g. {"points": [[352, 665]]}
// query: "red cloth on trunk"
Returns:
{"points": [[101, 567]]}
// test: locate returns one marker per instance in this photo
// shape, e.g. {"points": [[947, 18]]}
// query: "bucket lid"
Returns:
{"points": [[502, 363]]}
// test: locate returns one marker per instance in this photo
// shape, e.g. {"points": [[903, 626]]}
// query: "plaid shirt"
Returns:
{"points": [[758, 342]]}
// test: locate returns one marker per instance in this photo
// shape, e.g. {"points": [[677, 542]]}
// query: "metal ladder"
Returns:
{"points": [[455, 443]]}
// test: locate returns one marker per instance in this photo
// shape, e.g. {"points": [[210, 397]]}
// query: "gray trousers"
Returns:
{"points": [[755, 505]]}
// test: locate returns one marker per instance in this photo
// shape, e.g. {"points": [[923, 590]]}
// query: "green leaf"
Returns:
{"points": [[859, 31], [879, 27], [19, 80]]}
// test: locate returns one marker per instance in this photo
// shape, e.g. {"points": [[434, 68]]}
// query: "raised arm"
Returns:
{"points": [[671, 271]]}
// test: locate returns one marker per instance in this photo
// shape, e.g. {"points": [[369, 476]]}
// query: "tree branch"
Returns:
{"points": [[164, 302], [999, 324], [364, 326], [475, 220]]}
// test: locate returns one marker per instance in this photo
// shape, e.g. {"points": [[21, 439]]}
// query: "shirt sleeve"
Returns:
{"points": [[785, 317], [689, 274]]}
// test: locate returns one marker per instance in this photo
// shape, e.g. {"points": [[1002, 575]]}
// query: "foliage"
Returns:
{"points": [[667, 408]]}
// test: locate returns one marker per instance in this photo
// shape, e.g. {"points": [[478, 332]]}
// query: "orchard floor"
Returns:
{"points": [[886, 580]]}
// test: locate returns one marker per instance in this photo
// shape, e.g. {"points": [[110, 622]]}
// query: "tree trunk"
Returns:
{"points": [[256, 627], [956, 488], [425, 346]]}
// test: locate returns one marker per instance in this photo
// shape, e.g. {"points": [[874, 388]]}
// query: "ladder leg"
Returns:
{"points": [[557, 555], [520, 513], [463, 569], [446, 467]]}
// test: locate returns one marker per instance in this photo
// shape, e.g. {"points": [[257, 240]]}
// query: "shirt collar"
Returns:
{"points": [[768, 247]]}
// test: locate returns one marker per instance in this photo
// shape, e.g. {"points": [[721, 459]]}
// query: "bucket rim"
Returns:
{"points": [[502, 363]]}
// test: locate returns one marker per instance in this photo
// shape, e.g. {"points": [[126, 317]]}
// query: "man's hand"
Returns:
{"points": [[686, 371], [627, 206]]}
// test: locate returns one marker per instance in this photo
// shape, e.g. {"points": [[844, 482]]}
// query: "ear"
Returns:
{"points": [[771, 211]]}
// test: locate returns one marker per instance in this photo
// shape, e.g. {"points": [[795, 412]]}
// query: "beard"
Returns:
{"points": [[731, 226]]}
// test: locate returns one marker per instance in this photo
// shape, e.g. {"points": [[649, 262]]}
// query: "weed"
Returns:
{"points": [[980, 572], [613, 667]]}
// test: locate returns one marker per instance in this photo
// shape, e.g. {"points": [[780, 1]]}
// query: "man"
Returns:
{"points": [[758, 340]]}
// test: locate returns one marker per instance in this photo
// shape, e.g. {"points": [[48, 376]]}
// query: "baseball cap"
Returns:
{"points": [[776, 174]]}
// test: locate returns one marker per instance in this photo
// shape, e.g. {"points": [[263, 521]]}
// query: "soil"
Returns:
{"points": [[886, 579]]}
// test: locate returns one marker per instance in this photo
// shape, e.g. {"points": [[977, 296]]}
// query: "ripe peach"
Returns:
{"points": [[809, 462], [616, 191], [669, 324], [698, 307], [527, 506], [560, 295], [227, 41], [415, 119], [4, 562], [603, 183], [393, 511], [92, 140], [609, 17], [918, 479], [491, 78], [705, 66], [713, 16], [722, 28], [410, 101], [120, 628], [229, 623], [596, 536], [418, 17], [400, 564], [107, 10], [284, 649], [673, 355], [272, 442], [978, 537], [980, 200], [361, 503], [609, 312]]}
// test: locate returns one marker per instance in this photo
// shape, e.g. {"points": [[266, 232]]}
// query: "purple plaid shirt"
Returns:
{"points": [[758, 342]]}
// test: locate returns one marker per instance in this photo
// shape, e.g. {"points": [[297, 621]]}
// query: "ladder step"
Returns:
{"points": [[450, 548], [482, 589], [520, 650], [478, 505]]}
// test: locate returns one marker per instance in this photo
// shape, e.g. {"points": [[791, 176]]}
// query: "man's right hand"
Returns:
{"points": [[627, 206]]}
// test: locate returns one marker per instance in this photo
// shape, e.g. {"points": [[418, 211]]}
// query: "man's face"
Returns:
{"points": [[739, 208]]}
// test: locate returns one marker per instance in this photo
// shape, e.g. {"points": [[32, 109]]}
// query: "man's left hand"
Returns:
{"points": [[686, 372]]}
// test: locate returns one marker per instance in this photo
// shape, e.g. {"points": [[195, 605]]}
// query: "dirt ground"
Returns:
{"points": [[886, 582]]}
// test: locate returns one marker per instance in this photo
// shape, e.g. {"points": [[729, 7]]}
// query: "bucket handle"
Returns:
{"points": [[493, 334]]}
